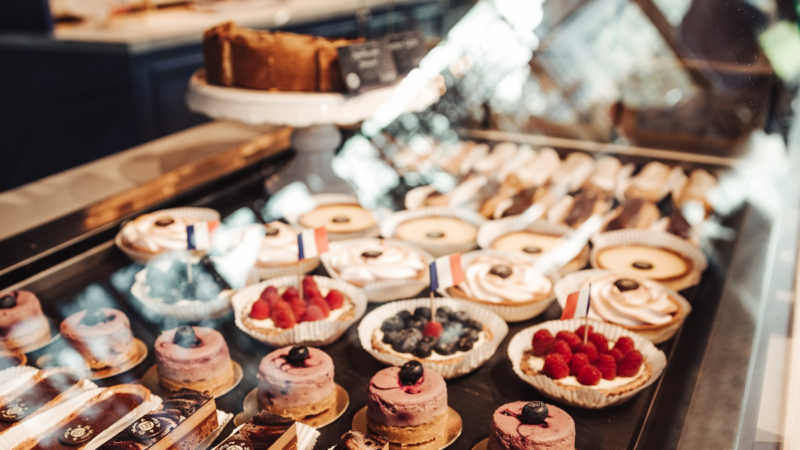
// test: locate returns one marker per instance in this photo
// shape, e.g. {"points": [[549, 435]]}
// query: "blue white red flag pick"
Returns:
{"points": [[446, 272], [577, 304], [312, 243], [198, 235]]}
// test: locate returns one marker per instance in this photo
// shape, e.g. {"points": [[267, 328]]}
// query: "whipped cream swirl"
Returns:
{"points": [[279, 245], [374, 261], [502, 279], [157, 232], [630, 301]]}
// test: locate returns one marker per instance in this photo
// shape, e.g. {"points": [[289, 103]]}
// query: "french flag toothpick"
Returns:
{"points": [[312, 243], [198, 235], [446, 272], [577, 304]]}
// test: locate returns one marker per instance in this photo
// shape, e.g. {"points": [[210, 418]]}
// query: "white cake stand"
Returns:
{"points": [[314, 116]]}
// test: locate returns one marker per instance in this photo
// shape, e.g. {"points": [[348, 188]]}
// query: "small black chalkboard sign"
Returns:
{"points": [[367, 64], [408, 49]]}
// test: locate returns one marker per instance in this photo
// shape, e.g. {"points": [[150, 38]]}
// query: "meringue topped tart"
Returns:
{"points": [[408, 404], [22, 322], [353, 440], [644, 261], [101, 335], [296, 382], [506, 280], [377, 260], [531, 426], [443, 230], [279, 246], [194, 358], [344, 218], [156, 232], [535, 243]]}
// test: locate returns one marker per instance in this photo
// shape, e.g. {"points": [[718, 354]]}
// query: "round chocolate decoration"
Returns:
{"points": [[147, 427], [372, 254], [626, 284], [236, 444], [77, 435], [185, 337], [642, 265], [340, 219], [532, 249], [14, 412], [94, 316], [165, 221], [8, 301], [435, 234], [272, 231], [501, 271]]}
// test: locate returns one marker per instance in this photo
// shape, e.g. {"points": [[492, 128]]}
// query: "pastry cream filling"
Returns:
{"points": [[281, 247], [371, 261], [523, 282], [648, 304], [146, 233]]}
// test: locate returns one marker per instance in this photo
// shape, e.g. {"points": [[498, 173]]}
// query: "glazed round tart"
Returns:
{"points": [[341, 215], [494, 330], [506, 283], [639, 305], [164, 230], [385, 269], [660, 256], [569, 390], [535, 239], [439, 231], [314, 333]]}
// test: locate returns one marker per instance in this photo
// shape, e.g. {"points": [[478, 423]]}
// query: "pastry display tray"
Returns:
{"points": [[100, 274]]}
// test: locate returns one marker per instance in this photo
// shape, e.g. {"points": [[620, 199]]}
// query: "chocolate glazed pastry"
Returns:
{"points": [[31, 400], [582, 209], [679, 226], [260, 432], [353, 440]]}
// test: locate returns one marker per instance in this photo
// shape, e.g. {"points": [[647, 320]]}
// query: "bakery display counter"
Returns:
{"points": [[718, 388]]}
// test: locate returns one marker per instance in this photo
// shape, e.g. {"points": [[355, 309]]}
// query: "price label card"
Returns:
{"points": [[408, 49], [367, 64]]}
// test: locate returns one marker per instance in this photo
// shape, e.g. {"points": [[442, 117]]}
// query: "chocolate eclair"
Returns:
{"points": [[43, 391], [262, 432]]}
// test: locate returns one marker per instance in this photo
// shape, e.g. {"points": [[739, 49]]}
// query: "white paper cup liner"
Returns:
{"points": [[306, 266], [575, 281], [337, 199], [509, 313], [449, 368], [658, 239], [142, 257], [434, 248], [316, 333], [493, 229], [184, 311], [585, 397], [383, 290], [13, 377]]}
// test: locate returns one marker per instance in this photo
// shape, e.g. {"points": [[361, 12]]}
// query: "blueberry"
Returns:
{"points": [[430, 339], [472, 323], [460, 316], [393, 323], [390, 337], [423, 311], [472, 334], [409, 344], [423, 350], [185, 337], [464, 344], [297, 356], [8, 301], [417, 322], [445, 309], [443, 317], [534, 413], [445, 349], [94, 316], [411, 372], [404, 316]]}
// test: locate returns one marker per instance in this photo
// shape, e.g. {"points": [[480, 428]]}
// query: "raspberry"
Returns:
{"points": [[571, 338], [607, 366], [541, 342], [309, 283], [600, 342], [311, 292], [283, 316], [624, 345], [589, 349], [272, 299], [616, 354], [335, 299], [270, 290], [561, 347], [578, 360], [313, 312], [629, 365], [260, 310], [298, 307], [580, 330], [555, 366], [319, 301], [290, 293], [589, 375], [434, 329]]}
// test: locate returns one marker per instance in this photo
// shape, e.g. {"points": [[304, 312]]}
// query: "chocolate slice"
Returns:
{"points": [[521, 202], [353, 440], [679, 226], [263, 430], [628, 216], [582, 208]]}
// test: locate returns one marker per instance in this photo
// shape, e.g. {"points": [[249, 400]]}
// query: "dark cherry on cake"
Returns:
{"points": [[416, 334]]}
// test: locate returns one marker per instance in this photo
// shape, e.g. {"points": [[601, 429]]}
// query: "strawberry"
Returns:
{"points": [[607, 366], [290, 293], [541, 342], [323, 305], [589, 349], [589, 375], [309, 283], [560, 346], [298, 307], [578, 360], [555, 366], [629, 365], [259, 310], [434, 329], [272, 299], [571, 338], [283, 316], [600, 342], [310, 292], [335, 299], [624, 345], [616, 354], [313, 312], [580, 330], [270, 290]]}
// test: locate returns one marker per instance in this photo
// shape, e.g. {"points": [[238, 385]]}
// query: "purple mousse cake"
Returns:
{"points": [[101, 335], [531, 426], [22, 323], [194, 358], [407, 405], [296, 382]]}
